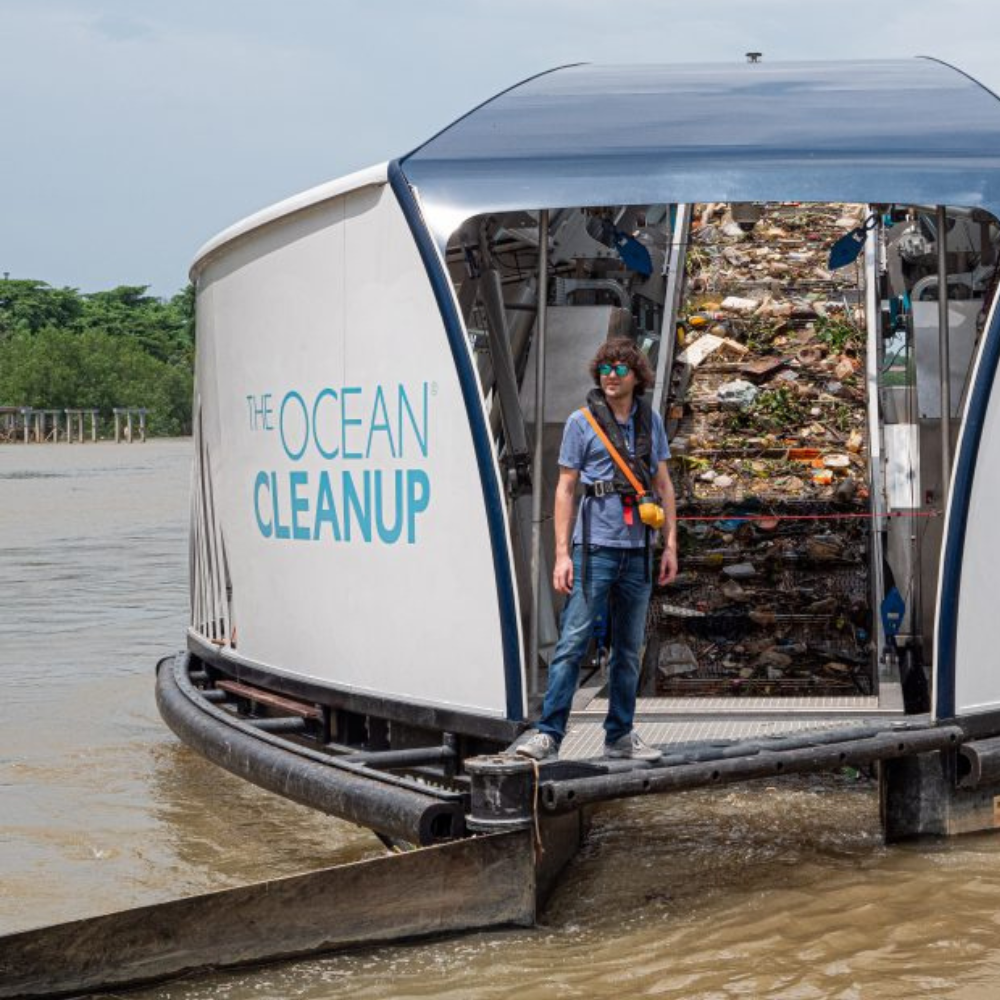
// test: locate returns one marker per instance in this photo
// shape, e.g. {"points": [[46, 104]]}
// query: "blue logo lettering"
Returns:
{"points": [[344, 505], [294, 456], [315, 424], [265, 526]]}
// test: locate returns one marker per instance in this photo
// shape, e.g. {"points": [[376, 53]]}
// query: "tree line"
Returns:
{"points": [[61, 348]]}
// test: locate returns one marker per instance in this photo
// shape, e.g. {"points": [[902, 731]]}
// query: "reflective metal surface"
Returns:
{"points": [[914, 131]]}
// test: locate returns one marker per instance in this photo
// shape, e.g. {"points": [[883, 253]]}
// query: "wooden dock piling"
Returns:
{"points": [[128, 412], [46, 425], [29, 424], [10, 418], [78, 417]]}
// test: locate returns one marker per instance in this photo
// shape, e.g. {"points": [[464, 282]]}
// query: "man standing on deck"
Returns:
{"points": [[609, 563]]}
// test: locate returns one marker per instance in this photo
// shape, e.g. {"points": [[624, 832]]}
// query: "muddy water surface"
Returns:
{"points": [[772, 890]]}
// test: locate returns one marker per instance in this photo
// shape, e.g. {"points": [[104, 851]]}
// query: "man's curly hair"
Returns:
{"points": [[624, 350]]}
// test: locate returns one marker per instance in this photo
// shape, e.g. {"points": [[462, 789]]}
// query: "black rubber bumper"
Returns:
{"points": [[389, 804]]}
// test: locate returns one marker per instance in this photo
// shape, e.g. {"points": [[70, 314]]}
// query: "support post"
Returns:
{"points": [[142, 426], [876, 471], [467, 297], [944, 359], [118, 426], [537, 470], [504, 372], [671, 304], [520, 333]]}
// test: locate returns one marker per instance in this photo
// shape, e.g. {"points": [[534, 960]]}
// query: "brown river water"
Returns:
{"points": [[767, 890]]}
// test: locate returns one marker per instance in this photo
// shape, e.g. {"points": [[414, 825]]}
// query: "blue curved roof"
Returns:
{"points": [[916, 131]]}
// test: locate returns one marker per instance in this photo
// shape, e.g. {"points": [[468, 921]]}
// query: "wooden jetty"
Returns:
{"points": [[77, 417], [28, 424]]}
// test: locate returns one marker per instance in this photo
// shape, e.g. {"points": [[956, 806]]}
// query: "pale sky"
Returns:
{"points": [[133, 131]]}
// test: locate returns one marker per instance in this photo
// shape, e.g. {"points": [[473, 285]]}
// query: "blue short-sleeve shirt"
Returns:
{"points": [[582, 450]]}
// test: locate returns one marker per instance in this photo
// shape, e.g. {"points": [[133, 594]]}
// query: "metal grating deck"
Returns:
{"points": [[663, 721], [889, 702], [585, 739]]}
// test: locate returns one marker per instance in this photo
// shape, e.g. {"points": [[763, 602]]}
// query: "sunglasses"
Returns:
{"points": [[621, 370]]}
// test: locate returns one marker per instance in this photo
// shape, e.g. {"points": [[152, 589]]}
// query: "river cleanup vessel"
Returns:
{"points": [[385, 364], [808, 255]]}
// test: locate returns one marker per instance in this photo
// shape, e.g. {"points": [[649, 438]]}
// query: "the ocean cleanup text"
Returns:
{"points": [[352, 463]]}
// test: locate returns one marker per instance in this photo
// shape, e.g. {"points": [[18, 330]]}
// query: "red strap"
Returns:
{"points": [[628, 502]]}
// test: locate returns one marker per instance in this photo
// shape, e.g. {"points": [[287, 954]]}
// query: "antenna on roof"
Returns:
{"points": [[754, 57]]}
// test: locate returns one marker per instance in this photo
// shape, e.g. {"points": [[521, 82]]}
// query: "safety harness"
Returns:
{"points": [[633, 470]]}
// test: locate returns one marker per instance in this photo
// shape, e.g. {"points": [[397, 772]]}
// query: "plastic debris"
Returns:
{"points": [[773, 658], [823, 549], [732, 591], [734, 303], [676, 658], [763, 367], [733, 230], [698, 350], [836, 668], [844, 369], [737, 395], [846, 490]]}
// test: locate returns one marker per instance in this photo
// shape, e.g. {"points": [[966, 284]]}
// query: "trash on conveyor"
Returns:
{"points": [[737, 395], [676, 658], [772, 466]]}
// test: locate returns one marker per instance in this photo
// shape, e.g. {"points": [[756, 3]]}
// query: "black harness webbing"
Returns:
{"points": [[585, 555], [639, 461]]}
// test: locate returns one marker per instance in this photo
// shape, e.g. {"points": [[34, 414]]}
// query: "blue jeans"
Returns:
{"points": [[619, 579]]}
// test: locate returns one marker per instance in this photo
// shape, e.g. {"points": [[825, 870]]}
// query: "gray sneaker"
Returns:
{"points": [[536, 745], [633, 747]]}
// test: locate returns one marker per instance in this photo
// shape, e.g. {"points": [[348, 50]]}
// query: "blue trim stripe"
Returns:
{"points": [[441, 285], [958, 518]]}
